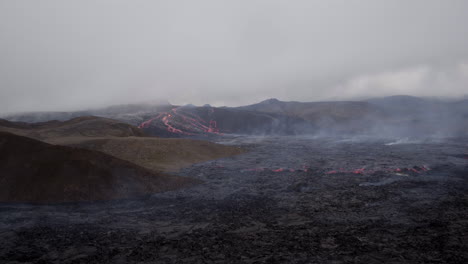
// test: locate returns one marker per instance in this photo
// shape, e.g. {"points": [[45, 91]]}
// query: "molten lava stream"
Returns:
{"points": [[147, 123], [359, 171], [170, 128], [196, 123]]}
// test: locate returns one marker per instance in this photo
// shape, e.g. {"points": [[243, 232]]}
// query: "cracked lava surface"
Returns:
{"points": [[287, 200]]}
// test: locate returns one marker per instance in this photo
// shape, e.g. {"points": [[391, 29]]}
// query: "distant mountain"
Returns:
{"points": [[36, 117], [398, 99], [87, 126], [393, 116], [461, 106], [132, 113], [422, 116], [404, 104], [399, 115], [272, 105], [129, 113], [34, 171], [339, 110], [332, 117]]}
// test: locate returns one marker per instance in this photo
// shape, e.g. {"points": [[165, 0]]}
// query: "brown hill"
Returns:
{"points": [[34, 171], [159, 154], [123, 141], [87, 126]]}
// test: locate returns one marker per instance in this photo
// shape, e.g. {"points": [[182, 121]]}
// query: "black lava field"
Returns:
{"points": [[286, 200]]}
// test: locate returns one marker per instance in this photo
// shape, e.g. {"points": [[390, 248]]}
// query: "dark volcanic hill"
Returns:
{"points": [[414, 116], [207, 120], [34, 171], [387, 116], [314, 111], [330, 117], [87, 126]]}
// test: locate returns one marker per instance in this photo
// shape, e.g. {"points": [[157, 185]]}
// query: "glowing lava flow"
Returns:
{"points": [[170, 128], [178, 121], [213, 127], [197, 123], [359, 171], [278, 170], [147, 123]]}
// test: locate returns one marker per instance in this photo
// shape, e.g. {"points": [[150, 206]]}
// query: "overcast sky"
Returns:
{"points": [[63, 55]]}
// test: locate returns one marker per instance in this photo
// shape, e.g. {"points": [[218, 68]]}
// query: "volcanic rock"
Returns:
{"points": [[196, 121]]}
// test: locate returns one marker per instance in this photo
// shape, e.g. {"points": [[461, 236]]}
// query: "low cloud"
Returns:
{"points": [[425, 80], [65, 55]]}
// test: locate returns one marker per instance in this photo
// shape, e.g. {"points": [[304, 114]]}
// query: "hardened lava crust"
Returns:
{"points": [[286, 200]]}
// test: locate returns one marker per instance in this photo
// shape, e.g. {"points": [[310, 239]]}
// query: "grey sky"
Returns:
{"points": [[61, 55]]}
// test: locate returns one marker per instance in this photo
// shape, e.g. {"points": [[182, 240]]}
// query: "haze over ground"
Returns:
{"points": [[64, 55]]}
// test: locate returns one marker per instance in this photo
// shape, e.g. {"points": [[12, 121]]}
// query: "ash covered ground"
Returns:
{"points": [[287, 200]]}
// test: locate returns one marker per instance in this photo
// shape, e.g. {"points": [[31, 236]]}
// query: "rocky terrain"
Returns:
{"points": [[382, 180], [287, 200]]}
